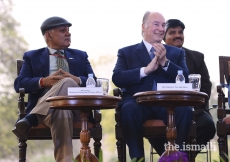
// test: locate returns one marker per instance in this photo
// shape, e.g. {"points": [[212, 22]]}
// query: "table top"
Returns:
{"points": [[90, 102], [171, 98]]}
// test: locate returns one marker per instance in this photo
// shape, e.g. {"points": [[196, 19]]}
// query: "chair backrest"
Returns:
{"points": [[224, 70], [19, 66], [21, 103], [222, 127], [224, 67]]}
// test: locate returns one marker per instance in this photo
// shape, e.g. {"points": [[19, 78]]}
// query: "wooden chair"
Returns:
{"points": [[42, 132], [151, 129], [223, 126]]}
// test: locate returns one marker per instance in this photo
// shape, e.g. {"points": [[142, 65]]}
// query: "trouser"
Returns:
{"points": [[134, 115], [205, 128], [60, 122]]}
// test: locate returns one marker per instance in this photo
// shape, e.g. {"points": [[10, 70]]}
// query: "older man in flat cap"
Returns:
{"points": [[174, 36], [48, 72]]}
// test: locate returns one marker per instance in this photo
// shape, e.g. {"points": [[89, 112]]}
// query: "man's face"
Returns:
{"points": [[175, 36], [59, 37], [154, 28]]}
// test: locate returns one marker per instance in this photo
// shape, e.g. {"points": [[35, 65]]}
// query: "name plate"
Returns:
{"points": [[174, 86], [73, 91]]}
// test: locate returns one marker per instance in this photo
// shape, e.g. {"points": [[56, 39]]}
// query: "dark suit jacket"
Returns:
{"points": [[196, 65], [126, 73], [36, 65]]}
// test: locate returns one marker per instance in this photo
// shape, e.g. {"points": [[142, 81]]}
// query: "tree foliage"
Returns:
{"points": [[12, 47]]}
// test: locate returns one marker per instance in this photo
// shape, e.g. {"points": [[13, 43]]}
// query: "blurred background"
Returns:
{"points": [[100, 27]]}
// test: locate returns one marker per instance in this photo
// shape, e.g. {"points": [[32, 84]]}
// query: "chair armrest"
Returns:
{"points": [[117, 92], [21, 104]]}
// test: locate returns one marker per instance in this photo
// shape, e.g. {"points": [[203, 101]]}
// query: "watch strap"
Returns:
{"points": [[166, 63]]}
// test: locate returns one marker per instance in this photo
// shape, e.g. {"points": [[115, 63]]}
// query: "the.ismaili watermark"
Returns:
{"points": [[189, 147]]}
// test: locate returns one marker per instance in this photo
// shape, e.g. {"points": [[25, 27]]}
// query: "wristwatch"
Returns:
{"points": [[166, 63]]}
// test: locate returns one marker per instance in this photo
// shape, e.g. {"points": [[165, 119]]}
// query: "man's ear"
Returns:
{"points": [[142, 28], [48, 35]]}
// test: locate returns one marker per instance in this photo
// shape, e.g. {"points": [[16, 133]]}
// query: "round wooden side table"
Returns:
{"points": [[84, 104], [171, 100]]}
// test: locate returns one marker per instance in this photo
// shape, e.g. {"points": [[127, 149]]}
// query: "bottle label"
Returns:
{"points": [[180, 81], [90, 86]]}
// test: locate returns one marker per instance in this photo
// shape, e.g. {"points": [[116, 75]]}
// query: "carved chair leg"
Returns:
{"points": [[121, 146], [121, 150], [97, 133], [192, 139], [222, 140], [222, 147], [226, 139], [192, 153], [97, 142], [97, 148], [124, 150], [22, 150]]}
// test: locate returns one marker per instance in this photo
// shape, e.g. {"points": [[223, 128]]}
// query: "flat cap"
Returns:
{"points": [[53, 22], [173, 23]]}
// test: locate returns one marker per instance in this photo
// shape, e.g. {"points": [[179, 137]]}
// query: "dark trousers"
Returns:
{"points": [[134, 115], [205, 128]]}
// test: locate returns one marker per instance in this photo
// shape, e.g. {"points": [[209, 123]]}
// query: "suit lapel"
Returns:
{"points": [[143, 54], [187, 56], [45, 63], [71, 61]]}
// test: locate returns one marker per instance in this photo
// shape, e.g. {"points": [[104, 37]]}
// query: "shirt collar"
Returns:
{"points": [[147, 45], [52, 51]]}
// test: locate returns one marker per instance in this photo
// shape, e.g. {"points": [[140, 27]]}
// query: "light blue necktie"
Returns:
{"points": [[151, 54]]}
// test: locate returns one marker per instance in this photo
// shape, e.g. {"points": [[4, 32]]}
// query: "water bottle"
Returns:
{"points": [[90, 82], [180, 77]]}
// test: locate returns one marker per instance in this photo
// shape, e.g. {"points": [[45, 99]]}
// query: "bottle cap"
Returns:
{"points": [[180, 72], [90, 75]]}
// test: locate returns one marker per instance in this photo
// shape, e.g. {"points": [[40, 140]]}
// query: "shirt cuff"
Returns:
{"points": [[166, 68], [39, 83], [142, 72]]}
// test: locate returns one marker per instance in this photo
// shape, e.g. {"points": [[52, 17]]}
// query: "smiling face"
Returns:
{"points": [[154, 28], [175, 36], [59, 38]]}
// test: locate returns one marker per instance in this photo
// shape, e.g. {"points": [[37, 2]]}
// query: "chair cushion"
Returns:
{"points": [[227, 119], [75, 125], [152, 123]]}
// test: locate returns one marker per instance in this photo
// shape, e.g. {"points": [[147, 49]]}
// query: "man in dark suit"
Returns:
{"points": [[136, 72], [49, 72], [174, 36]]}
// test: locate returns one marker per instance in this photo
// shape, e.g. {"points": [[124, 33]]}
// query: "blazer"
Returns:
{"points": [[126, 73], [36, 65], [196, 65]]}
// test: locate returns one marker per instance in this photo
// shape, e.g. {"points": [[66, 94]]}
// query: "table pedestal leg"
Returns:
{"points": [[85, 152], [171, 133], [171, 151]]}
